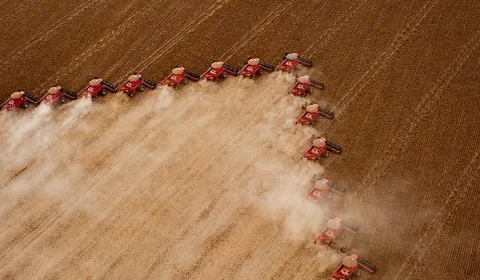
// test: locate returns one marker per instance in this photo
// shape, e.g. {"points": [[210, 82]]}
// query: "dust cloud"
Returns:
{"points": [[89, 159]]}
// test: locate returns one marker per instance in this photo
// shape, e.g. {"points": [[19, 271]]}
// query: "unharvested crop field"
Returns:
{"points": [[206, 182]]}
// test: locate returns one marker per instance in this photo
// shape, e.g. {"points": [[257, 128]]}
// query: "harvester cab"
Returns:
{"points": [[312, 112], [255, 67], [304, 84], [57, 95], [349, 266], [219, 70], [291, 60], [334, 228], [320, 148], [20, 99], [98, 86], [179, 76], [322, 187], [137, 83]]}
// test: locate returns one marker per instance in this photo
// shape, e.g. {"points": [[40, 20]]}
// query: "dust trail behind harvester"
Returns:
{"points": [[159, 178]]}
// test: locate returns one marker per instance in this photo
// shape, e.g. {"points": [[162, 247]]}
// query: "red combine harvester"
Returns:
{"points": [[320, 148], [304, 85], [219, 70], [349, 266], [335, 227], [255, 67], [137, 82], [179, 76], [312, 112], [98, 86], [320, 189], [20, 99], [57, 95], [290, 61]]}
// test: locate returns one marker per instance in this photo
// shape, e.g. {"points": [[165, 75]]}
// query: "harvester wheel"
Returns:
{"points": [[223, 75], [103, 92], [184, 81], [259, 72], [94, 98], [175, 87], [357, 273], [325, 154], [141, 89], [131, 94], [63, 99], [309, 89], [25, 105]]}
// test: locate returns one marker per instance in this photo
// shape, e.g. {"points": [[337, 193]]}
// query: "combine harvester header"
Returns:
{"points": [[20, 99], [291, 60], [349, 266], [321, 187], [312, 113], [304, 85], [255, 67], [320, 148], [97, 87], [137, 83], [57, 95], [179, 76], [219, 70], [335, 228]]}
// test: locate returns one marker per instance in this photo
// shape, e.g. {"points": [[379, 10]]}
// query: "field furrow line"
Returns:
{"points": [[382, 61], [443, 218], [257, 29], [45, 34], [423, 110], [170, 44], [338, 24], [98, 46]]}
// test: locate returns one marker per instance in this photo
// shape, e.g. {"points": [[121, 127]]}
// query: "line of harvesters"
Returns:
{"points": [[218, 70]]}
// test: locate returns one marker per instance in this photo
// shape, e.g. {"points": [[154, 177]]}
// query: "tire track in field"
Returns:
{"points": [[18, 8], [99, 45], [443, 218], [127, 195], [427, 104], [53, 217], [266, 21], [173, 197], [400, 38], [339, 23], [188, 28], [216, 241], [45, 34], [284, 266]]}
